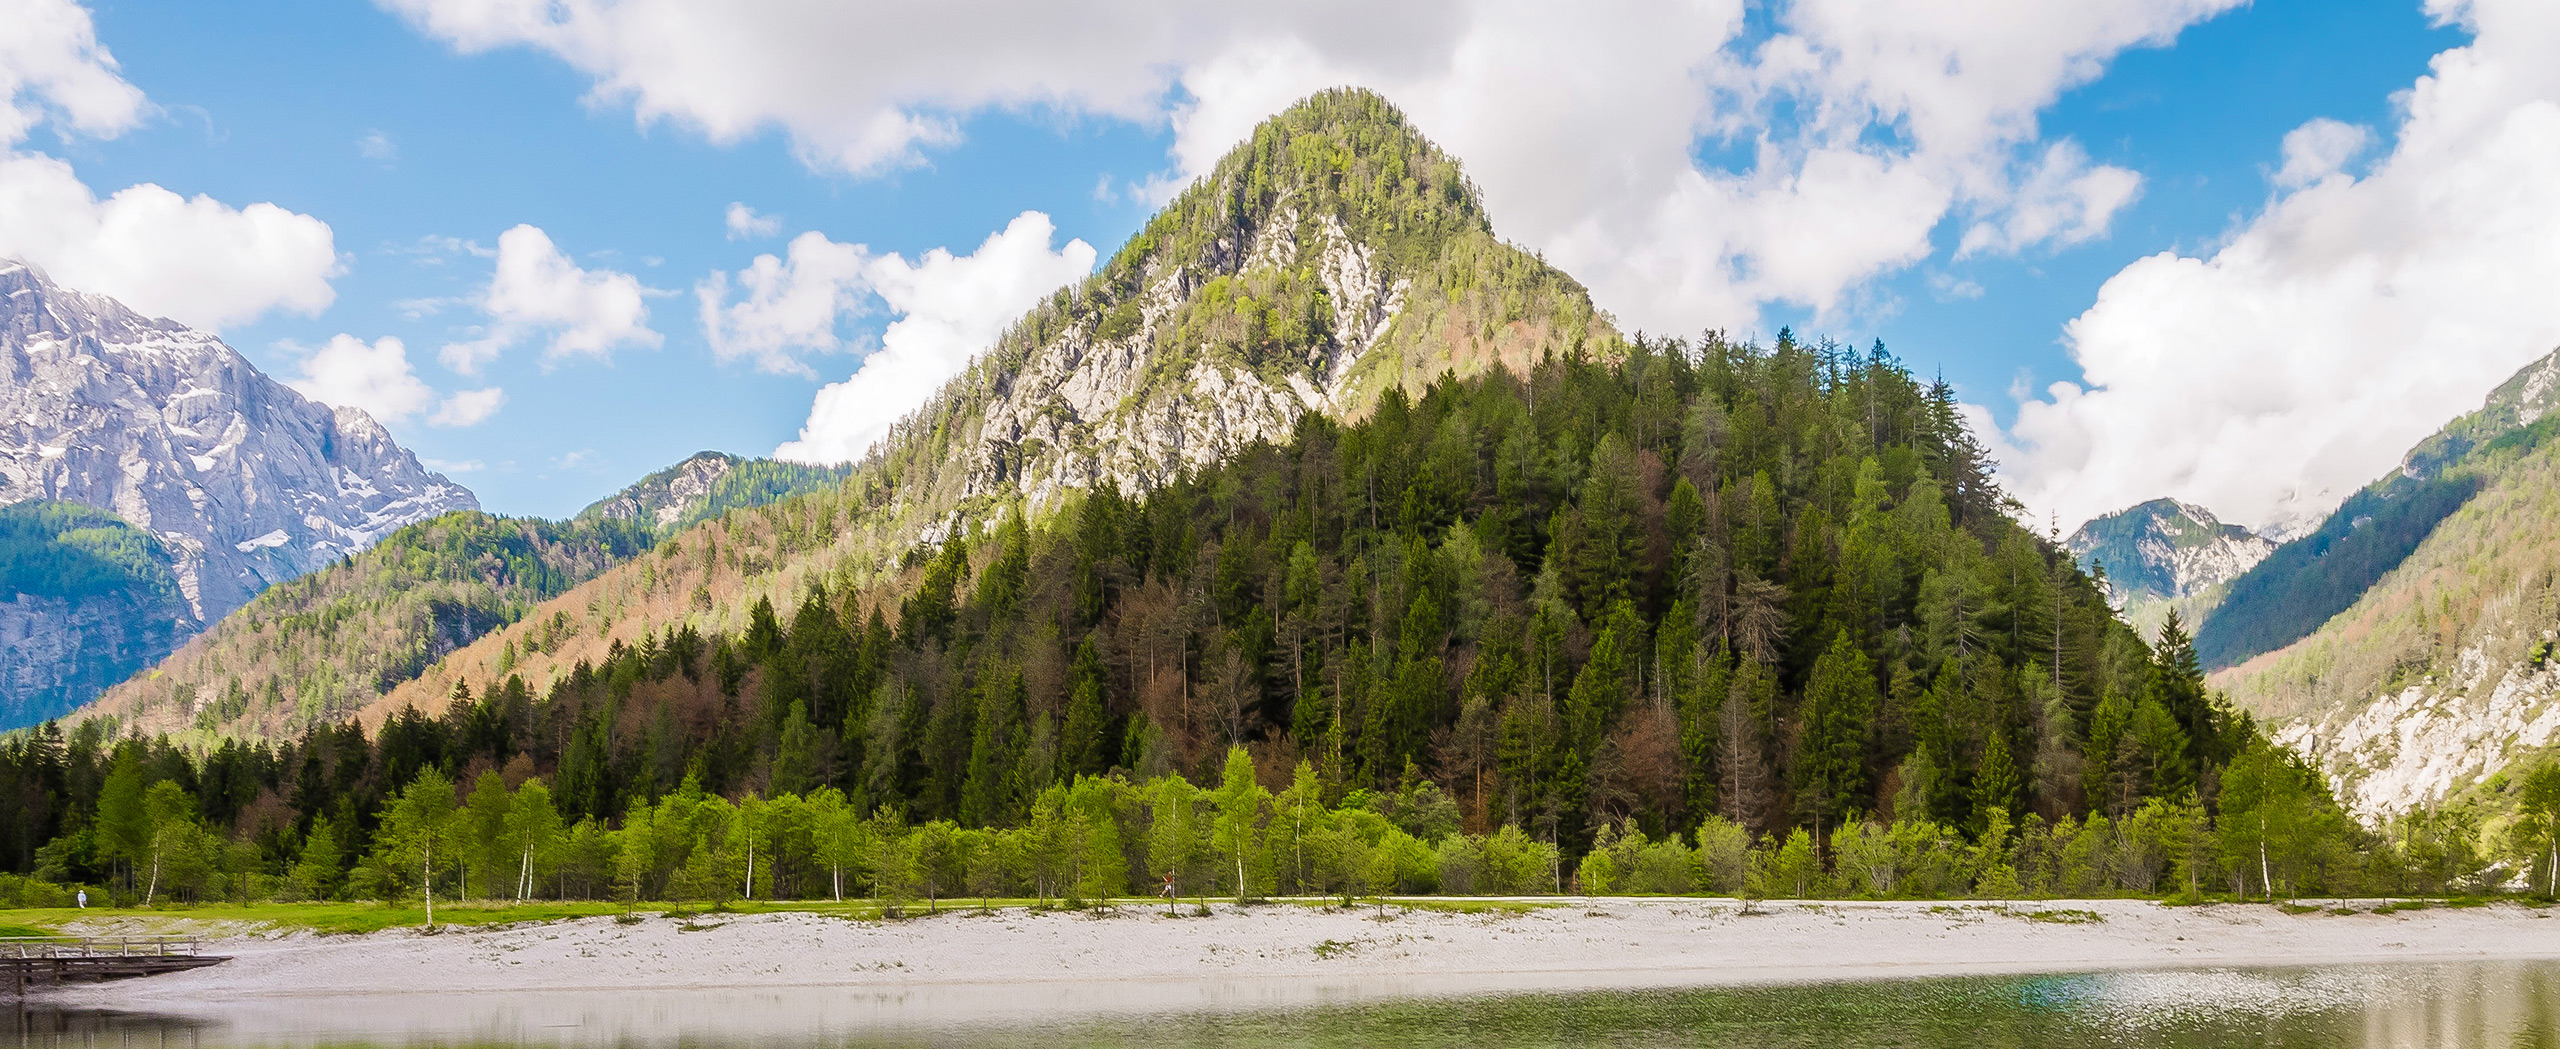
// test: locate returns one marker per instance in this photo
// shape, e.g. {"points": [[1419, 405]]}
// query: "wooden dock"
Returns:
{"points": [[36, 962]]}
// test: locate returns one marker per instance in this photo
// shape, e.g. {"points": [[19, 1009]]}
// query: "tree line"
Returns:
{"points": [[1603, 622]]}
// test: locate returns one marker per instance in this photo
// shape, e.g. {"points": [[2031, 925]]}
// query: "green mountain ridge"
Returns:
{"points": [[319, 647], [2315, 577], [706, 485], [2434, 676]]}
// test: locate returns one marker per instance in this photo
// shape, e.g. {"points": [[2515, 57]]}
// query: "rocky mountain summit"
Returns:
{"points": [[1334, 255], [2166, 555], [242, 481]]}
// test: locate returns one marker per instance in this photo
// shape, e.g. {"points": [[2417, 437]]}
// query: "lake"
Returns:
{"points": [[2453, 1005]]}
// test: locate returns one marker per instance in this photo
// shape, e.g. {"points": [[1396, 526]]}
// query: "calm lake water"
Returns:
{"points": [[2454, 1005]]}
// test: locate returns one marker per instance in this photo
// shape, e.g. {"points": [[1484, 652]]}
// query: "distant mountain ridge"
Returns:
{"points": [[2433, 598], [239, 481], [2307, 581], [1334, 255], [315, 649], [336, 641], [706, 485], [2166, 555]]}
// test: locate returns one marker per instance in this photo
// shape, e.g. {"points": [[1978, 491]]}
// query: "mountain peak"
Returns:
{"points": [[1334, 255], [2166, 550]]}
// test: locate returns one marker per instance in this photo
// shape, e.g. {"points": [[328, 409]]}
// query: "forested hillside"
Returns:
{"points": [[316, 649], [1776, 585], [2434, 677], [2306, 581], [1596, 621], [1334, 255]]}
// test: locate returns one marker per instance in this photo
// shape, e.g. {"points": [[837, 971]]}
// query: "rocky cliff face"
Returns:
{"points": [[56, 653], [660, 499], [246, 482]]}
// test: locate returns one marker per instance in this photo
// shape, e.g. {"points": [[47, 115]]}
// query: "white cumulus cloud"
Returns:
{"points": [[792, 305], [2319, 149], [347, 372], [745, 224], [538, 291], [1860, 126], [2336, 328], [51, 64], [949, 307], [192, 259], [468, 407], [2064, 200]]}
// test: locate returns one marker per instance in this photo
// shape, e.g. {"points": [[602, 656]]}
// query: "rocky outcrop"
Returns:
{"points": [[245, 481], [706, 485], [663, 498], [55, 653], [2410, 747], [1086, 409]]}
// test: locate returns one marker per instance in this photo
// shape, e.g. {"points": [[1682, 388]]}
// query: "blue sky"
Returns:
{"points": [[420, 131]]}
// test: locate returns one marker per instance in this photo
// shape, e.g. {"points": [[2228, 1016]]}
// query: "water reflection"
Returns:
{"points": [[2462, 1005]]}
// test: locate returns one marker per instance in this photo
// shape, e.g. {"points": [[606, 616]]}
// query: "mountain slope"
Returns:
{"points": [[707, 485], [91, 599], [2438, 672], [2307, 581], [1333, 256], [2164, 556], [313, 649]]}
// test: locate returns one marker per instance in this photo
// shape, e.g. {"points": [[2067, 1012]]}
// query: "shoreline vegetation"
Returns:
{"points": [[224, 920], [967, 964], [1710, 618]]}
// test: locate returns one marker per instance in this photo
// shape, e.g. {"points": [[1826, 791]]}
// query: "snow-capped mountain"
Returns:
{"points": [[2165, 554], [244, 481]]}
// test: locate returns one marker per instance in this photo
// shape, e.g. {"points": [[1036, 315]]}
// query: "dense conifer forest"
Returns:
{"points": [[1713, 616]]}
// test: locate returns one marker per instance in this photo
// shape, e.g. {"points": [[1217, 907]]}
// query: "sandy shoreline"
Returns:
{"points": [[802, 972]]}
